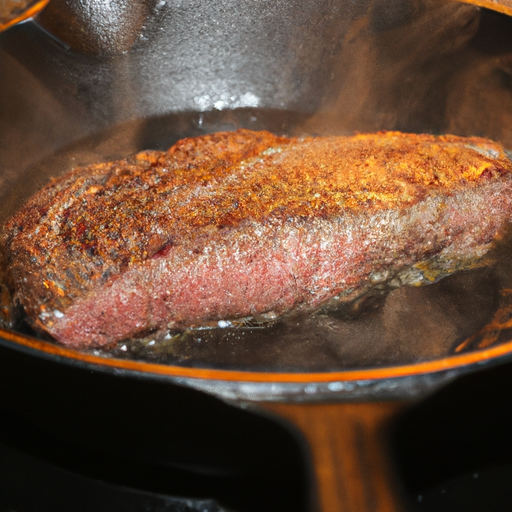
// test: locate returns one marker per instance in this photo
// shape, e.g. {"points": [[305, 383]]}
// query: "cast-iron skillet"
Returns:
{"points": [[173, 71]]}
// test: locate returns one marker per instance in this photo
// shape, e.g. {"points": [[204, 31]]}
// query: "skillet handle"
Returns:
{"points": [[349, 451]]}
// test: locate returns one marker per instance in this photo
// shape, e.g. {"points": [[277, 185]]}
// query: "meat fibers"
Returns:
{"points": [[247, 224]]}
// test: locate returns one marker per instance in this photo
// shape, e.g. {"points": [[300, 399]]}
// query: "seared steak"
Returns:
{"points": [[247, 224]]}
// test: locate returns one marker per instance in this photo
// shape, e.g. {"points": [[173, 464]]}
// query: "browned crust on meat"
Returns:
{"points": [[86, 228]]}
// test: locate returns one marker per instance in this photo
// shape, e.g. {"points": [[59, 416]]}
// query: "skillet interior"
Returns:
{"points": [[52, 96], [405, 327]]}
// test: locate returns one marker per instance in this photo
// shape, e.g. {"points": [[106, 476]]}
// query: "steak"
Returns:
{"points": [[245, 224]]}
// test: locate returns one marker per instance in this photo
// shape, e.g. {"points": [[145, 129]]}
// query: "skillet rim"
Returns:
{"points": [[461, 362]]}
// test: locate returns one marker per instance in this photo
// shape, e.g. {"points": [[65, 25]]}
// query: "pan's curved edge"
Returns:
{"points": [[501, 6], [382, 383]]}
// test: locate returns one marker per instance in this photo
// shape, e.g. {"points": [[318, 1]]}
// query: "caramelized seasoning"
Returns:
{"points": [[98, 221]]}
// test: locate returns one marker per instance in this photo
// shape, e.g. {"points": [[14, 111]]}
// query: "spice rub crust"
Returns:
{"points": [[85, 230]]}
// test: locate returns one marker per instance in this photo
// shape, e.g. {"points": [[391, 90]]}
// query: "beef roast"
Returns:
{"points": [[247, 224]]}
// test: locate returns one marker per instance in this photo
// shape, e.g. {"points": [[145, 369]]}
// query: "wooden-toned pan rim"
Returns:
{"points": [[32, 10], [452, 362], [502, 6]]}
